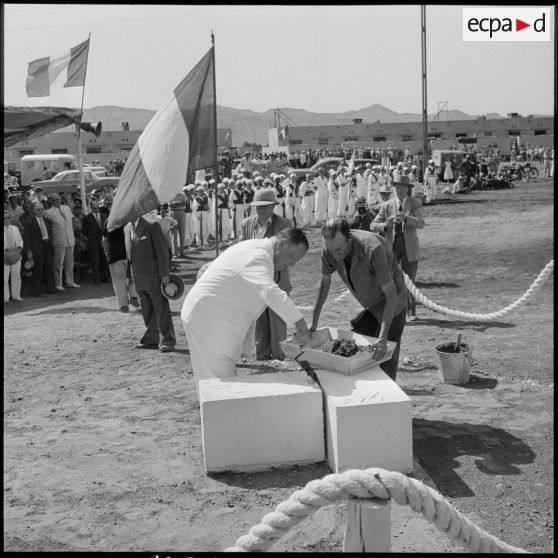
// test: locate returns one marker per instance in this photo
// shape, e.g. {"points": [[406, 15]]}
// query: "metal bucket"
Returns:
{"points": [[454, 367]]}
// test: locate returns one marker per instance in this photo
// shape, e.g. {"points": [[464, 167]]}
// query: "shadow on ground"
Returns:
{"points": [[459, 324], [432, 284], [439, 446], [275, 478], [76, 310]]}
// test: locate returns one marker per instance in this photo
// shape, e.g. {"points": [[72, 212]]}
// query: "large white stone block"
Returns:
{"points": [[253, 423], [369, 422]]}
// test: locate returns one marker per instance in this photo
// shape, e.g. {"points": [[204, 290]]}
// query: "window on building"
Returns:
{"points": [[59, 151], [351, 139], [407, 138], [461, 135], [539, 132], [295, 142], [93, 149], [434, 136], [513, 132], [323, 141], [22, 152], [379, 138], [125, 148]]}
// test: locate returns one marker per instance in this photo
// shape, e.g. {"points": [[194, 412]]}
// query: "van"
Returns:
{"points": [[44, 167]]}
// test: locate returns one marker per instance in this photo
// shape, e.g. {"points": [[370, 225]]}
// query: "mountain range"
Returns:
{"points": [[251, 126]]}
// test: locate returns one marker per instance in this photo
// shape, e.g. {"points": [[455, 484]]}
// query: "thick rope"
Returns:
{"points": [[537, 284], [370, 484]]}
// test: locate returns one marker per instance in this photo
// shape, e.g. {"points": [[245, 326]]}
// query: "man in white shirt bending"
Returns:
{"points": [[232, 292]]}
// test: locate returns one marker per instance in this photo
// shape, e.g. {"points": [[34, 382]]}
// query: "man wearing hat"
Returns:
{"points": [[248, 198], [189, 216], [292, 207], [237, 201], [430, 182], [270, 328], [13, 245], [224, 212], [361, 183], [201, 207], [178, 213], [148, 266], [399, 220], [385, 194], [373, 186], [320, 186], [307, 194]]}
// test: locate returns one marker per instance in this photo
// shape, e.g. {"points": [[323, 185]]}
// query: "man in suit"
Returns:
{"points": [[38, 245], [64, 241], [399, 219], [148, 258], [92, 226], [270, 328]]}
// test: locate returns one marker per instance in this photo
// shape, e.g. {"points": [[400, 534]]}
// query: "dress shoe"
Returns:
{"points": [[166, 349], [134, 302], [124, 309], [60, 288], [73, 285], [144, 346]]}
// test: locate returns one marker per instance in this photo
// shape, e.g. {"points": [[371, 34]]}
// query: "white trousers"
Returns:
{"points": [[189, 228], [430, 189], [204, 223], [122, 291], [12, 280], [207, 363], [307, 209], [63, 258]]}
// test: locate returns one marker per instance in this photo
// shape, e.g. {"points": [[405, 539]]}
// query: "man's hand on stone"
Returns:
{"points": [[379, 349]]}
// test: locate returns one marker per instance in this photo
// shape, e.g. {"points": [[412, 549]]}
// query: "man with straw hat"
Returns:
{"points": [[399, 219], [270, 329]]}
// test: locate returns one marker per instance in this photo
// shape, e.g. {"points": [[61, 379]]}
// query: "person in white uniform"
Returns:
{"points": [[343, 204], [232, 292], [307, 195], [320, 186]]}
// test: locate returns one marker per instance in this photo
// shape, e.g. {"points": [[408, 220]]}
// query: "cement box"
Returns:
{"points": [[368, 420], [253, 423], [355, 364]]}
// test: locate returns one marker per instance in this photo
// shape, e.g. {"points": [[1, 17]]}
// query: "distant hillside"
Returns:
{"points": [[248, 125]]}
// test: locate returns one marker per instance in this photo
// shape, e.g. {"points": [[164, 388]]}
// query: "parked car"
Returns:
{"points": [[326, 163], [99, 171], [99, 184], [66, 182]]}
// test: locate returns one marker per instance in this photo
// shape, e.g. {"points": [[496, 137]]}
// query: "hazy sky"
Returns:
{"points": [[319, 58]]}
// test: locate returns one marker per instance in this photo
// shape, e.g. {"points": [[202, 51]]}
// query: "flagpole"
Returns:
{"points": [[216, 165], [78, 130]]}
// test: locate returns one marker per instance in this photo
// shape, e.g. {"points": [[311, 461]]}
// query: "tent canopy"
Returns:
{"points": [[21, 123]]}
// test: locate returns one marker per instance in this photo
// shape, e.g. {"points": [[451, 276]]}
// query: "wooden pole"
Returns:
{"points": [[216, 164], [424, 91], [78, 130], [368, 527]]}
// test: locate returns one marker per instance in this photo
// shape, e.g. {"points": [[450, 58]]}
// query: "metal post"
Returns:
{"points": [[216, 165], [424, 91]]}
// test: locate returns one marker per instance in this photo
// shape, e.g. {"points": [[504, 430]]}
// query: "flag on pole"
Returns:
{"points": [[180, 138], [67, 69]]}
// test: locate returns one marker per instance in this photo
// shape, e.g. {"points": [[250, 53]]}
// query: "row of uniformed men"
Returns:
{"points": [[312, 201]]}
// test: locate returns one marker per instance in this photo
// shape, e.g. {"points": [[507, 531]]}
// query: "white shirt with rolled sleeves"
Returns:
{"points": [[223, 303]]}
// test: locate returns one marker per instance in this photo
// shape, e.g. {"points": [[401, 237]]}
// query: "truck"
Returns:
{"points": [[44, 167]]}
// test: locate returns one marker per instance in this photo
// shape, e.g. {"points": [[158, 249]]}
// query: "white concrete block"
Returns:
{"points": [[253, 423], [369, 422]]}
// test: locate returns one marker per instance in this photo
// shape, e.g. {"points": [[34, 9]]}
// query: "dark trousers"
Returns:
{"points": [[99, 265], [43, 273], [270, 329], [366, 324], [410, 268], [157, 318]]}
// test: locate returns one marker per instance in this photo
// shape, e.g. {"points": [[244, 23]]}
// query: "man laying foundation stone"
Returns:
{"points": [[232, 292], [368, 267]]}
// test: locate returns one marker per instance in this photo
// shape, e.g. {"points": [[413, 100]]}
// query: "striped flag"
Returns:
{"points": [[67, 69], [180, 138]]}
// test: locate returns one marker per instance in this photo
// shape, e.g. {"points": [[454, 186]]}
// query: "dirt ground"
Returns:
{"points": [[102, 448]]}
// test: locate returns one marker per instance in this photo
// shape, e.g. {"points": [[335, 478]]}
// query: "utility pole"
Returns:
{"points": [[424, 89]]}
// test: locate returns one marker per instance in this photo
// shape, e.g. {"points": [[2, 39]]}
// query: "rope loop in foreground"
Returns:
{"points": [[373, 483]]}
